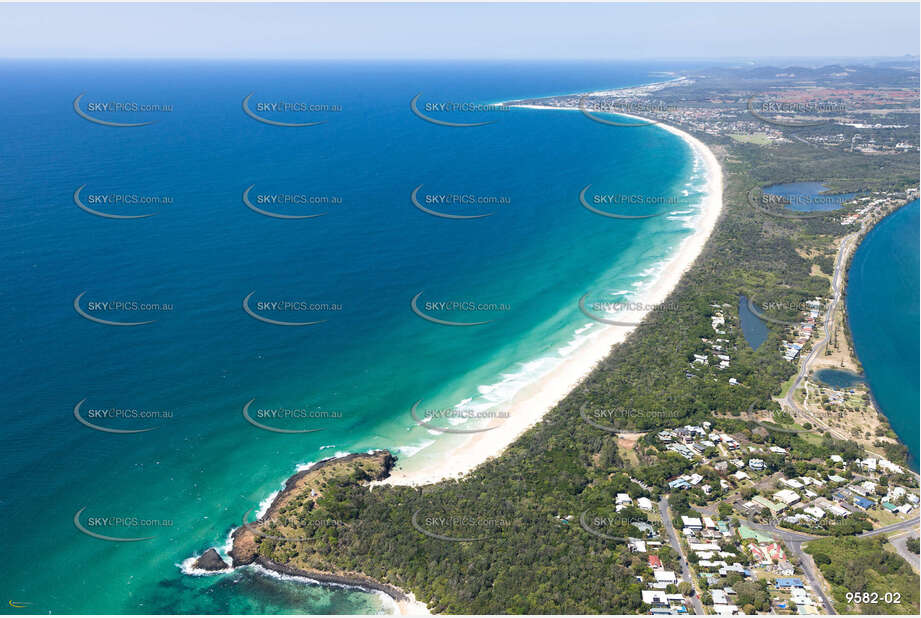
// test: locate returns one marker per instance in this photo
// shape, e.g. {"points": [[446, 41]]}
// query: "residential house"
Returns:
{"points": [[665, 578], [788, 583], [786, 496]]}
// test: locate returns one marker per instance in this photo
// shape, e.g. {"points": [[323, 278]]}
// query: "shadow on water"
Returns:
{"points": [[754, 329]]}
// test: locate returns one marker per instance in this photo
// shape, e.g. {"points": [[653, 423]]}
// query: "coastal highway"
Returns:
{"points": [[666, 515], [779, 533], [909, 524], [788, 401], [800, 537], [836, 280]]}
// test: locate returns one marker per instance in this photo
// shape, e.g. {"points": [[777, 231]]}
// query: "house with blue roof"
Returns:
{"points": [[788, 583]]}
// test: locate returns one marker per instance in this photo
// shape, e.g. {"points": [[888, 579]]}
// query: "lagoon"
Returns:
{"points": [[808, 196], [754, 329]]}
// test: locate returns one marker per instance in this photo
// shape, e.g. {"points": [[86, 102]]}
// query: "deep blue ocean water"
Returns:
{"points": [[357, 372], [883, 314]]}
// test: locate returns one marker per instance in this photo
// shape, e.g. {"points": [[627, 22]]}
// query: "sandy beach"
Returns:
{"points": [[530, 405], [411, 607]]}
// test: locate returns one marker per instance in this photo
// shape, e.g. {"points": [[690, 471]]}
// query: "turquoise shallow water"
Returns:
{"points": [[882, 306], [355, 374]]}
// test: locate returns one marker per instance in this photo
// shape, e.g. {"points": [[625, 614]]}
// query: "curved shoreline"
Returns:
{"points": [[530, 405], [405, 602], [913, 460]]}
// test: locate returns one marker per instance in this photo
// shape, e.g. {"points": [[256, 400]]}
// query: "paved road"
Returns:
{"points": [[794, 541], [812, 574], [908, 524], [837, 276], [837, 290], [789, 535], [898, 541], [673, 539], [783, 535]]}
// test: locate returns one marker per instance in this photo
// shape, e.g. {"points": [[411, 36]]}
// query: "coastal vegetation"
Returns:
{"points": [[507, 538], [867, 567]]}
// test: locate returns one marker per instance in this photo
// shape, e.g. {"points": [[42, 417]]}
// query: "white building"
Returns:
{"points": [[665, 577], [725, 610], [815, 512], [637, 546], [654, 598], [888, 466], [693, 523]]}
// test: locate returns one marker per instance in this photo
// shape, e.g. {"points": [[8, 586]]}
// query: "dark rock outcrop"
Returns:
{"points": [[354, 579], [210, 561]]}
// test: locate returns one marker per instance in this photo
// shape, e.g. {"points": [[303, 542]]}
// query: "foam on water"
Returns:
{"points": [[410, 450], [518, 352], [187, 569], [266, 503], [386, 599]]}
